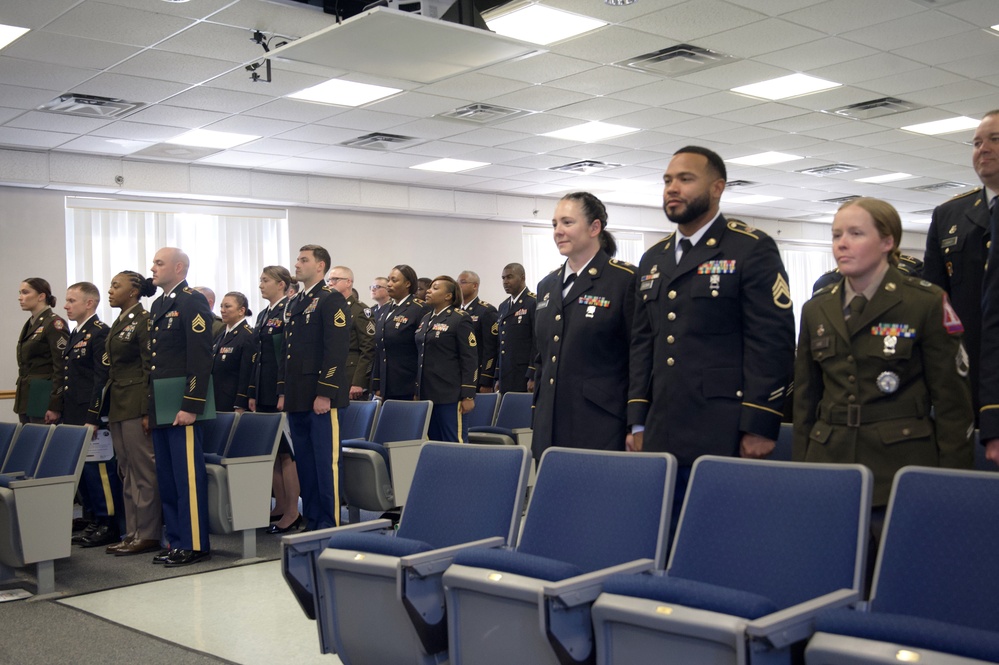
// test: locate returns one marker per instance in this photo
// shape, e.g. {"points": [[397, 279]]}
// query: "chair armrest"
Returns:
{"points": [[389, 445], [436, 561], [40, 482], [228, 461], [324, 534], [586, 587], [797, 622]]}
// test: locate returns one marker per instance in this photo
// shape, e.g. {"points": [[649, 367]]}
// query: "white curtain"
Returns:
{"points": [[541, 256], [228, 245], [804, 265]]}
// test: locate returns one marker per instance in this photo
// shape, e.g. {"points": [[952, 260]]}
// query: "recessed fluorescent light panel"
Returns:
{"points": [[961, 123], [888, 177], [9, 33], [340, 92], [208, 138], [765, 159], [750, 199], [449, 165], [589, 132], [786, 86], [539, 24]]}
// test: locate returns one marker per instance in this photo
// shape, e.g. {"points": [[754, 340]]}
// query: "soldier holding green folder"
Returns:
{"points": [[39, 355]]}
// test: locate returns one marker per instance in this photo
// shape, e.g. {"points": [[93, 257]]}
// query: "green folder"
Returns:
{"points": [[39, 394], [278, 344], [169, 395]]}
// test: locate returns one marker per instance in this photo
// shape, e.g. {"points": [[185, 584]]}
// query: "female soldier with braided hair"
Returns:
{"points": [[126, 401]]}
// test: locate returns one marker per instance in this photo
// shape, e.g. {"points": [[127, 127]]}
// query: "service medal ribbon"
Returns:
{"points": [[717, 267], [903, 330], [597, 301]]}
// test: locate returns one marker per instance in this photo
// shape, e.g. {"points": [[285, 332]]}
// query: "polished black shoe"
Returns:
{"points": [[104, 535], [163, 556], [186, 557], [87, 532], [294, 526]]}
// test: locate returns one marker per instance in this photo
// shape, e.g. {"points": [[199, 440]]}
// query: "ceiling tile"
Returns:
{"points": [[114, 23], [219, 42], [273, 18], [214, 99], [760, 113], [438, 149], [364, 120], [318, 134], [865, 69], [66, 50], [844, 15], [819, 53], [104, 146], [600, 108], [24, 98], [603, 80], [280, 147], [30, 138], [742, 72], [908, 30], [806, 122], [247, 160], [415, 104], [612, 44], [169, 66], [282, 83], [611, 14], [175, 116], [652, 118], [290, 109], [138, 131], [495, 155], [256, 126], [472, 86], [198, 10], [9, 114], [982, 43], [760, 37], [57, 122], [538, 98], [695, 19], [32, 74], [775, 7], [132, 88], [951, 92], [429, 128], [903, 84], [979, 12], [491, 136], [33, 15], [540, 68]]}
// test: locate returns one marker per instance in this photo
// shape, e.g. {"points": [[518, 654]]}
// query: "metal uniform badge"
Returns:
{"points": [[820, 331], [890, 342], [590, 309], [888, 382]]}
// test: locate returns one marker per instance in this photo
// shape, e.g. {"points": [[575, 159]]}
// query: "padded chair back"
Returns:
{"points": [[464, 493], [215, 433], [786, 531], [26, 449], [402, 421], [255, 434], [484, 412], [596, 509], [515, 411], [62, 454], [938, 553], [7, 432], [358, 420]]}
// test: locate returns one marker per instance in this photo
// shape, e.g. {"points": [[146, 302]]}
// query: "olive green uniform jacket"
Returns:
{"points": [[39, 356]]}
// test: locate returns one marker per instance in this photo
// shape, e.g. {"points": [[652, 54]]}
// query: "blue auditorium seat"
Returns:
{"points": [[26, 450], [593, 513], [936, 585], [377, 592], [761, 547], [357, 421], [36, 509], [7, 433], [215, 435], [484, 412], [514, 421]]}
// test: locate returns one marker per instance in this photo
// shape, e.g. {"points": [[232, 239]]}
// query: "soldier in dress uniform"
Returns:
{"points": [[86, 374], [126, 402], [881, 377], [267, 392], [422, 285], [515, 363], [234, 355], [380, 297], [39, 352], [393, 374], [181, 342], [316, 386], [362, 332], [713, 343], [957, 245], [218, 325], [449, 365], [484, 325], [583, 332]]}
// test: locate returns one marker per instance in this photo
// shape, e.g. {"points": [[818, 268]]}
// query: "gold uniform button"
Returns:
{"points": [[553, 358], [671, 295], [556, 338], [154, 354], [849, 359], [153, 368], [714, 294], [645, 296], [738, 393], [670, 362], [558, 317], [290, 334], [502, 352], [551, 382], [851, 399], [947, 251], [851, 379], [671, 316], [157, 328], [670, 339], [906, 431]]}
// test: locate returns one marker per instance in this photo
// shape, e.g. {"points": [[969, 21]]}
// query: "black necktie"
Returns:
{"points": [[567, 286], [685, 246]]}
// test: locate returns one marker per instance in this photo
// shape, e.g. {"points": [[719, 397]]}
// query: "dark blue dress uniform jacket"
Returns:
{"points": [[181, 342], [86, 373], [515, 364], [232, 367], [316, 341], [265, 384], [396, 358], [483, 317], [988, 415], [581, 384], [448, 365], [713, 345], [956, 252]]}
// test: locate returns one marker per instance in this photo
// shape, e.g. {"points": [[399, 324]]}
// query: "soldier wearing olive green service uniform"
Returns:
{"points": [[362, 331], [878, 354], [39, 355]]}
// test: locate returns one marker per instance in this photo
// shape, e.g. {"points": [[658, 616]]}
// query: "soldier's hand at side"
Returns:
{"points": [[755, 446], [145, 425], [634, 442], [280, 404], [356, 392], [321, 405], [530, 385], [184, 418], [52, 417], [252, 404], [992, 450]]}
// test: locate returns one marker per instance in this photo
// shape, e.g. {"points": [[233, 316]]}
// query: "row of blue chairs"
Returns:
{"points": [[40, 467], [763, 551]]}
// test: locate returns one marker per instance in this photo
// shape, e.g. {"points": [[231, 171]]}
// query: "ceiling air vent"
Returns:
{"points": [[734, 184], [927, 211], [585, 166], [90, 106], [677, 60], [482, 114], [874, 108], [381, 141], [841, 200], [937, 186], [829, 169]]}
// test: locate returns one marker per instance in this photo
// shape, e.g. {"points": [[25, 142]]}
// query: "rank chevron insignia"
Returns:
{"points": [[782, 292]]}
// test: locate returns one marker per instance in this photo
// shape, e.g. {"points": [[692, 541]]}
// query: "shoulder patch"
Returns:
{"points": [[743, 228], [340, 319], [58, 323]]}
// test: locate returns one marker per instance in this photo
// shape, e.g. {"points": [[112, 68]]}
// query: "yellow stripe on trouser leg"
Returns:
{"points": [[335, 429], [192, 488], [460, 439], [106, 486]]}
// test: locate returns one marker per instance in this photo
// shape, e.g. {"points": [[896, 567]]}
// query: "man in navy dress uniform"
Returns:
{"points": [[483, 325], [515, 362], [181, 342], [316, 385]]}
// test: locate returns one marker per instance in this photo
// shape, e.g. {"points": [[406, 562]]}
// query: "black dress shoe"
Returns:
{"points": [[104, 535], [86, 533], [294, 526], [186, 557], [163, 556]]}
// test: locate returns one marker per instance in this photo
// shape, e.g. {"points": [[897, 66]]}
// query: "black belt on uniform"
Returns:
{"points": [[855, 415]]}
